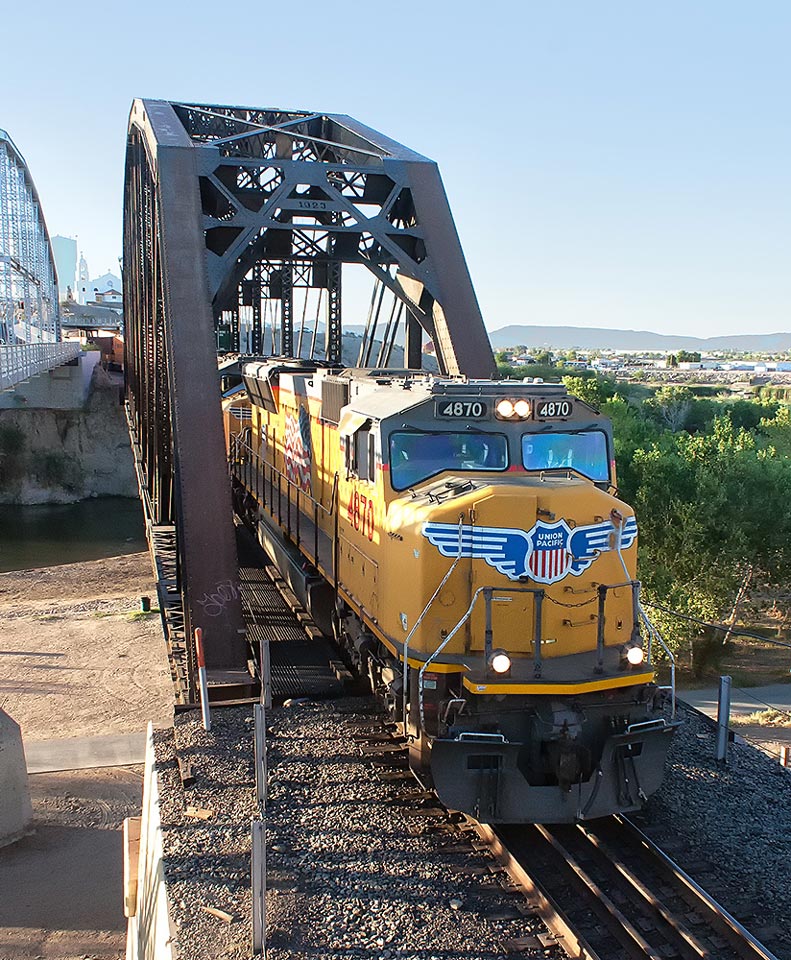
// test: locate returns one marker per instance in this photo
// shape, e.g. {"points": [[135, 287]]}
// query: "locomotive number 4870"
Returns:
{"points": [[361, 513], [554, 409], [462, 409]]}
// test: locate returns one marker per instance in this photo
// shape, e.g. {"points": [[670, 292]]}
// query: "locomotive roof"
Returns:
{"points": [[380, 393]]}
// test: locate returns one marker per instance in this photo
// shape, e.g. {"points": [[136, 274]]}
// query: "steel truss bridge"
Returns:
{"points": [[239, 224], [28, 282]]}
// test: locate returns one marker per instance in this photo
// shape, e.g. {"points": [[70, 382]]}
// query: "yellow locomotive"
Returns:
{"points": [[464, 541]]}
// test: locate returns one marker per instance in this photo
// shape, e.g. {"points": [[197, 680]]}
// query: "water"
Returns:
{"points": [[49, 534]]}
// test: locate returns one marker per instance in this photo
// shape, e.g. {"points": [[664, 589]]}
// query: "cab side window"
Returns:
{"points": [[361, 454]]}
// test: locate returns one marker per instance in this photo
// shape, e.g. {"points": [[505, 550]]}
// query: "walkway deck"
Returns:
{"points": [[20, 362]]}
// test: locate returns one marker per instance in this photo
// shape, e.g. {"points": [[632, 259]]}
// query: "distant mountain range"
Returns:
{"points": [[602, 338]]}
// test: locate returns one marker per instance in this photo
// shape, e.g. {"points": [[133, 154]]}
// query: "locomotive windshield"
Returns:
{"points": [[418, 456], [584, 452]]}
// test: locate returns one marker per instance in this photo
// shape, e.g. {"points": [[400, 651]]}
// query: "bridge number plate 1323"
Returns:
{"points": [[462, 409]]}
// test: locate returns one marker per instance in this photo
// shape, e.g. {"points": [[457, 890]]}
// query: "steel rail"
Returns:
{"points": [[658, 928], [577, 849], [568, 939], [722, 917]]}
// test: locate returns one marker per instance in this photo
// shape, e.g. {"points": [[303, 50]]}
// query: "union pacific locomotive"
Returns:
{"points": [[464, 541]]}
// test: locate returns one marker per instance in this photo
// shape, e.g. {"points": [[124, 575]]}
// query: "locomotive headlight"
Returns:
{"points": [[635, 656], [500, 662], [512, 409]]}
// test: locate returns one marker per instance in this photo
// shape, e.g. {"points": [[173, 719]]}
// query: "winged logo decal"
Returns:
{"points": [[546, 553]]}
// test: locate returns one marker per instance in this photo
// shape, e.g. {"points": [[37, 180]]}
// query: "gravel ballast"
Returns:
{"points": [[354, 873], [729, 826], [351, 874]]}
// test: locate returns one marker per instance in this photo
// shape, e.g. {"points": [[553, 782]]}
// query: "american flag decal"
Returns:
{"points": [[298, 450], [549, 558]]}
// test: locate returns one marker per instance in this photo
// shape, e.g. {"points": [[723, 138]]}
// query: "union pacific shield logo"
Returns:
{"points": [[548, 558], [545, 553]]}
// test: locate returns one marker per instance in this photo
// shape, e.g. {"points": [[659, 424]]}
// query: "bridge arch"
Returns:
{"points": [[28, 280]]}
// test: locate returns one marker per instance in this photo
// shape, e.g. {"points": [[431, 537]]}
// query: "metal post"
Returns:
{"points": [[258, 870], [785, 755], [204, 687], [539, 599], [723, 719], [636, 616], [600, 630], [487, 637], [316, 534], [259, 755], [266, 676]]}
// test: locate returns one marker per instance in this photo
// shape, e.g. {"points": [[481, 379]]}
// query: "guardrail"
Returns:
{"points": [[21, 361]]}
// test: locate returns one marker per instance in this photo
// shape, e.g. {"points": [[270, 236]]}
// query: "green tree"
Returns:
{"points": [[707, 505], [594, 390], [748, 414], [631, 432], [670, 406], [776, 431]]}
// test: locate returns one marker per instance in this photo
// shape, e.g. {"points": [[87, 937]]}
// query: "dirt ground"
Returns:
{"points": [[63, 886], [76, 659], [76, 656]]}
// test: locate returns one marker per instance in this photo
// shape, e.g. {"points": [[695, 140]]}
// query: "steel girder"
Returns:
{"points": [[173, 389], [298, 190]]}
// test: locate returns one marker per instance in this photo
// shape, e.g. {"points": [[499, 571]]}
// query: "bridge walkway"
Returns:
{"points": [[300, 665], [21, 361]]}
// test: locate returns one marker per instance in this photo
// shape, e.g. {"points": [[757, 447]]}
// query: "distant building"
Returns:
{"points": [[82, 276], [101, 291], [64, 249]]}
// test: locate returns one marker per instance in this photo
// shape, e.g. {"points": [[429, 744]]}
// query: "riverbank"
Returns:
{"points": [[50, 455], [77, 657]]}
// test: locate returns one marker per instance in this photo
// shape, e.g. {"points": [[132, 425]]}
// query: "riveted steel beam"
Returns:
{"points": [[173, 387]]}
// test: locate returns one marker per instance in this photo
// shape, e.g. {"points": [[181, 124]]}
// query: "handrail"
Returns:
{"points": [[417, 623], [237, 442], [653, 632], [21, 361], [539, 596], [238, 448], [487, 591], [650, 628]]}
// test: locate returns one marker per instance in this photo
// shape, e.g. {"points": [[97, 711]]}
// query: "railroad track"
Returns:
{"points": [[603, 889], [606, 892]]}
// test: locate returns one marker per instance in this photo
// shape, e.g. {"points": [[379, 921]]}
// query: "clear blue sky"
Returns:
{"points": [[621, 164]]}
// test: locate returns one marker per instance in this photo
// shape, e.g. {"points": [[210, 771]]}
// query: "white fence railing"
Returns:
{"points": [[148, 934], [21, 361]]}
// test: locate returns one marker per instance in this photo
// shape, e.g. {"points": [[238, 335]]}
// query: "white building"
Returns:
{"points": [[104, 290]]}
